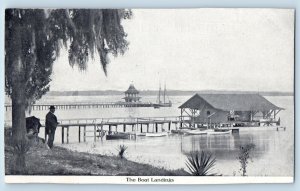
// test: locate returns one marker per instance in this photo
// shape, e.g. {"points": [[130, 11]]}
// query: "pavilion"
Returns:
{"points": [[230, 110]]}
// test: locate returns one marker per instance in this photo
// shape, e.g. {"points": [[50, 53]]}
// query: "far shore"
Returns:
{"points": [[170, 93]]}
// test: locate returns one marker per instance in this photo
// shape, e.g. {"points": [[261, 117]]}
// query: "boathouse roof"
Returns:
{"points": [[132, 90], [227, 102]]}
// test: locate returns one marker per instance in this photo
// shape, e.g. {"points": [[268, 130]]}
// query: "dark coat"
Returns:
{"points": [[51, 122]]}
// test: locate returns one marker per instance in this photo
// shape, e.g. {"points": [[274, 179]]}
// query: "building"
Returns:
{"points": [[230, 109], [131, 95]]}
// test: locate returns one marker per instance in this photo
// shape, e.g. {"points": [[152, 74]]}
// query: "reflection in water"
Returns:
{"points": [[169, 152], [272, 156], [227, 146]]}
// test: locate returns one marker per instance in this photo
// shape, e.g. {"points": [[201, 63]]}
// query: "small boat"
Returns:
{"points": [[140, 134], [180, 131], [195, 132], [219, 132], [177, 131], [117, 136], [161, 134]]}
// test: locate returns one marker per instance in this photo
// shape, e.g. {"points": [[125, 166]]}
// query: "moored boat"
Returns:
{"points": [[161, 134], [117, 136], [180, 131], [219, 132], [195, 132], [140, 134], [162, 103]]}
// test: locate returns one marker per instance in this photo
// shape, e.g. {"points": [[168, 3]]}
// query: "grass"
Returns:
{"points": [[200, 163], [60, 161]]}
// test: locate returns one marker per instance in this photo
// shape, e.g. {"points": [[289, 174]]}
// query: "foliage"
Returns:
{"points": [[200, 163], [121, 151], [244, 156], [34, 38], [33, 41]]}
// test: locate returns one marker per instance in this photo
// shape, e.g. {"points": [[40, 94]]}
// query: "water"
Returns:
{"points": [[273, 154]]}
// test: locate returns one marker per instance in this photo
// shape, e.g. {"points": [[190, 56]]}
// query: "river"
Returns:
{"points": [[273, 154]]}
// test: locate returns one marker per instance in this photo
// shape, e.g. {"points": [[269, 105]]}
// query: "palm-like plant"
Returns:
{"points": [[200, 163]]}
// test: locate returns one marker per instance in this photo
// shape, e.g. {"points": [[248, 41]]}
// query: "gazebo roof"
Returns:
{"points": [[131, 90]]}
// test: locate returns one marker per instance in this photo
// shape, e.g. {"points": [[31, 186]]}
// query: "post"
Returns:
{"points": [[109, 129], [141, 128], [79, 133], [45, 136], [95, 133], [67, 134], [102, 132], [156, 127], [170, 125], [181, 114], [124, 127], [62, 134], [147, 127], [84, 133]]}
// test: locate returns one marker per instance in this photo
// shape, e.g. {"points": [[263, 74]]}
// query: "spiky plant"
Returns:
{"points": [[200, 163], [121, 151]]}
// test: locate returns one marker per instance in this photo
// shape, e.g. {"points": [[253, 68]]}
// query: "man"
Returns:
{"points": [[50, 126]]}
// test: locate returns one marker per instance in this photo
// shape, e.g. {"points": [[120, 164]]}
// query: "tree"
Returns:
{"points": [[33, 40]]}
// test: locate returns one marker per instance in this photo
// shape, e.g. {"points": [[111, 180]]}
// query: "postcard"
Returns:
{"points": [[149, 96]]}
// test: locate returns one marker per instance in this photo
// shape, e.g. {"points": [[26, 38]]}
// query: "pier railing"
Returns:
{"points": [[86, 105]]}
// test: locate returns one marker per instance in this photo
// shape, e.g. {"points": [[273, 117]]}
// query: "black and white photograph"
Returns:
{"points": [[149, 96]]}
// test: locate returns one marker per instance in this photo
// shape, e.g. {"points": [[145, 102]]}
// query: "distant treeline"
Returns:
{"points": [[169, 93]]}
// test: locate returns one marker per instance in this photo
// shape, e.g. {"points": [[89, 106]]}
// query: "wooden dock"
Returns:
{"points": [[97, 128], [86, 105]]}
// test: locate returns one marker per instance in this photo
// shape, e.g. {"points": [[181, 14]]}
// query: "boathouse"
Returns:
{"points": [[230, 109], [131, 95]]}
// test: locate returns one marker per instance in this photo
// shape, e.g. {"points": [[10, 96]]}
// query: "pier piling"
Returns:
{"points": [[62, 134], [79, 133]]}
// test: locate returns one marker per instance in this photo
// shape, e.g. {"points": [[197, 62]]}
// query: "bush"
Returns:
{"points": [[121, 151], [244, 156], [200, 163]]}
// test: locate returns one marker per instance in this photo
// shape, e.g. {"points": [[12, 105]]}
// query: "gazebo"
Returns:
{"points": [[131, 95]]}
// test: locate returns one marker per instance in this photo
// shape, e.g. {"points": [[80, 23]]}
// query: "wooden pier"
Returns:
{"points": [[99, 127], [87, 105]]}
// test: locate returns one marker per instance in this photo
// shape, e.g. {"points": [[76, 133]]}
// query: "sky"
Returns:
{"points": [[194, 49]]}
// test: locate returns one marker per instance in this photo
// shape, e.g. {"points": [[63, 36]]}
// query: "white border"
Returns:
{"points": [[125, 179]]}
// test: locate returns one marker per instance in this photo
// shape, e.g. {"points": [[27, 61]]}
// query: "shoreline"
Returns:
{"points": [[41, 160]]}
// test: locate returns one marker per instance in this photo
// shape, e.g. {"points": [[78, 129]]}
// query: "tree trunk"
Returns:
{"points": [[19, 140]]}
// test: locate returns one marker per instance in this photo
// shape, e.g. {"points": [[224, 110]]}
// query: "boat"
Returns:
{"points": [[181, 131], [118, 136], [219, 132], [140, 134], [162, 103], [161, 134], [196, 132]]}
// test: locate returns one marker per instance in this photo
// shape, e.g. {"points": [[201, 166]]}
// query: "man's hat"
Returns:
{"points": [[51, 107]]}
